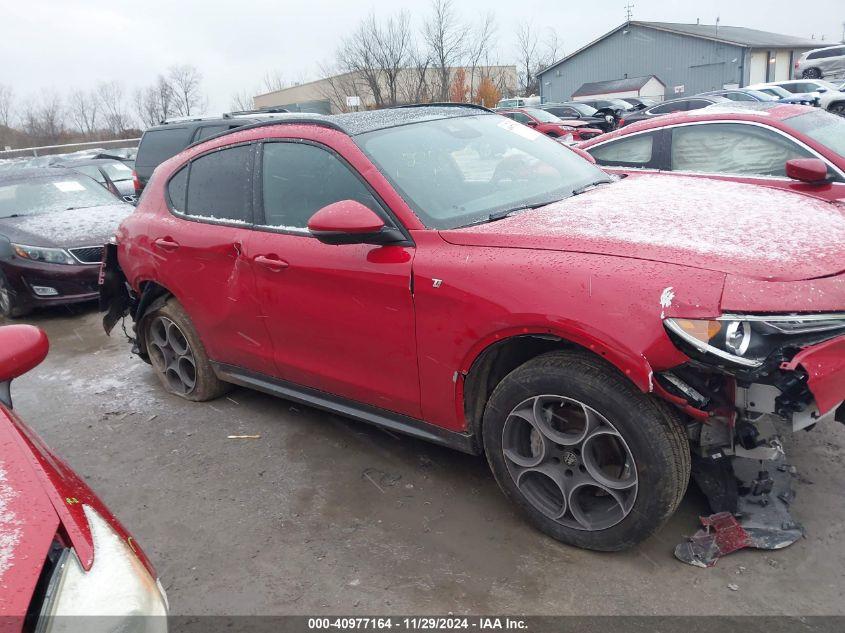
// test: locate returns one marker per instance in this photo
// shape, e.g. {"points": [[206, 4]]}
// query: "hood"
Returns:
{"points": [[746, 230], [75, 227]]}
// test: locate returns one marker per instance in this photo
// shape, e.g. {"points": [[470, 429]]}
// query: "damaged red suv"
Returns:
{"points": [[448, 273]]}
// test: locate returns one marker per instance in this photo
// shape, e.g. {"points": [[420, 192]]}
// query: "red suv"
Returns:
{"points": [[444, 272]]}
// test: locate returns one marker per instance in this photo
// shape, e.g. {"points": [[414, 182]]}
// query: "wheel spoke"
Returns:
{"points": [[570, 462]]}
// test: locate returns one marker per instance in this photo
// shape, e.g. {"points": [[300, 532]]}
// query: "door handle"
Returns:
{"points": [[271, 262], [166, 244]]}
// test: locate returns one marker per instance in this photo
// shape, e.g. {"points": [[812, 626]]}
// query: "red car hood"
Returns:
{"points": [[745, 230]]}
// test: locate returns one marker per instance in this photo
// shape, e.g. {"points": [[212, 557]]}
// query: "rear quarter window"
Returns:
{"points": [[158, 145]]}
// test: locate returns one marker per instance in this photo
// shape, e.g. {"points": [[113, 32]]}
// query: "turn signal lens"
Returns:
{"points": [[704, 331]]}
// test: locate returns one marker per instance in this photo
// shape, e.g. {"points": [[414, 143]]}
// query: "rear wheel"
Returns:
{"points": [[590, 460], [178, 356], [837, 108], [812, 73], [9, 306]]}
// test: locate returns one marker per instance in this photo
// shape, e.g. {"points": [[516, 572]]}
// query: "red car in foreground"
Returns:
{"points": [[62, 553], [551, 125], [791, 147], [443, 272]]}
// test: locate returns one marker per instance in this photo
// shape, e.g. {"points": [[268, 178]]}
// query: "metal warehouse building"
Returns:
{"points": [[686, 58]]}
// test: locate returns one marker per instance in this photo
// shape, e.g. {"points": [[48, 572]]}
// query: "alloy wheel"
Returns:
{"points": [[171, 354], [570, 462]]}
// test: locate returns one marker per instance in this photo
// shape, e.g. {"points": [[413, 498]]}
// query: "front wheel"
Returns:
{"points": [[178, 355], [589, 459]]}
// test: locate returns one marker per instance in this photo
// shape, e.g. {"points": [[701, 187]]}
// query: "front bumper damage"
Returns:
{"points": [[738, 457]]}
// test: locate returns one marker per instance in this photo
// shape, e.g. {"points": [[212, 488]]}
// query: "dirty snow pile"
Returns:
{"points": [[75, 225], [10, 531]]}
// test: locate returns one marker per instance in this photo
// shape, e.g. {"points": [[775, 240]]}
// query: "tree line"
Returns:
{"points": [[390, 59], [106, 111]]}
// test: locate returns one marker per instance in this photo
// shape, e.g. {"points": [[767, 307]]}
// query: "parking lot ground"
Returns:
{"points": [[322, 515]]}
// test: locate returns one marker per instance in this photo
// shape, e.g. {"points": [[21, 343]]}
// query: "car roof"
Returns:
{"points": [[355, 123]]}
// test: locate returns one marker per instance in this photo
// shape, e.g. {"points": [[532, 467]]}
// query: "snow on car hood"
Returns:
{"points": [[747, 230], [74, 227]]}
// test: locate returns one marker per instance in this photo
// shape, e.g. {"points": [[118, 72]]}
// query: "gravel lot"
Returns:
{"points": [[322, 515]]}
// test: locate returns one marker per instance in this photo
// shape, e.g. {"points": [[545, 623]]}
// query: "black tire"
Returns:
{"points": [[170, 364], [837, 108], [812, 73], [652, 433], [9, 307]]}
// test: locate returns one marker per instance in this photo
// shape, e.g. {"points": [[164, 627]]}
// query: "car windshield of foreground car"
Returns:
{"points": [[542, 115], [462, 170], [823, 127], [42, 195]]}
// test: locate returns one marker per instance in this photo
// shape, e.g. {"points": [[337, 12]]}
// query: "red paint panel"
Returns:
{"points": [[825, 366], [22, 347]]}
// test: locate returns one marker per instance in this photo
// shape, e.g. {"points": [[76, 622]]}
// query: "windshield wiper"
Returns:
{"points": [[500, 215], [585, 188]]}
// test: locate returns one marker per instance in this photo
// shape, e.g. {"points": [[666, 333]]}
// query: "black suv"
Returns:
{"points": [[170, 137]]}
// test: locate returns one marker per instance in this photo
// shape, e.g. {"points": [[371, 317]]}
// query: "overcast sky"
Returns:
{"points": [[68, 44]]}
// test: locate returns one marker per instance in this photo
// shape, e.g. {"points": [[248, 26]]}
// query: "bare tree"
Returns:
{"points": [[242, 100], [445, 37], [273, 81], [188, 98], [414, 85], [43, 120], [7, 100], [115, 116], [84, 110], [340, 84], [479, 50], [534, 55]]}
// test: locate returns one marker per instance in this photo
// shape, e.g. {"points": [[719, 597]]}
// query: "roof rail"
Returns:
{"points": [[292, 120], [444, 104], [266, 110], [186, 119]]}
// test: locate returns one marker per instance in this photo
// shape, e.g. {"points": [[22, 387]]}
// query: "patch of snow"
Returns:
{"points": [[10, 527], [666, 300], [700, 222], [76, 225]]}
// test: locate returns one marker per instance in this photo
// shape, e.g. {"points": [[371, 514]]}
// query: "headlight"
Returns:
{"points": [[47, 255], [747, 340], [117, 586]]}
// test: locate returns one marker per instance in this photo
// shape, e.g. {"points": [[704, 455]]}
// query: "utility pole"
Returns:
{"points": [[629, 11]]}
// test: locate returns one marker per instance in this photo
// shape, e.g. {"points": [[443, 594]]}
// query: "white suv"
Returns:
{"points": [[828, 96], [826, 62]]}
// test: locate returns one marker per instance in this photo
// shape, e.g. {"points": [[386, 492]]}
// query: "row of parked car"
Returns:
{"points": [[583, 120], [456, 275]]}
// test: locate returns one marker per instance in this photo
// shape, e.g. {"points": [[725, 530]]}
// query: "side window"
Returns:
{"points": [[732, 148], [697, 104], [634, 151], [220, 184], [521, 118], [299, 179], [738, 96], [210, 130], [177, 189], [666, 108]]}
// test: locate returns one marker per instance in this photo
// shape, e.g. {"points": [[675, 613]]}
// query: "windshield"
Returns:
{"points": [[823, 127], [542, 115], [457, 171], [618, 103], [42, 195], [761, 96], [776, 91], [117, 171]]}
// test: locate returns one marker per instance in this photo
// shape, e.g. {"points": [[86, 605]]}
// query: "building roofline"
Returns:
{"points": [[652, 25]]}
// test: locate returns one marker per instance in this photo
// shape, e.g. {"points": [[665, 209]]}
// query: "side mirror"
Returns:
{"points": [[530, 123], [350, 222], [584, 154], [809, 170], [22, 347]]}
